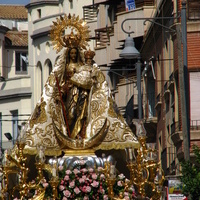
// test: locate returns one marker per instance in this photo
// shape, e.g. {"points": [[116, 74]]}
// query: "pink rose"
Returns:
{"points": [[68, 172], [84, 177], [76, 171], [102, 191], [95, 184], [90, 170], [105, 197], [72, 184], [61, 187], [76, 190], [126, 193], [66, 178], [94, 176], [126, 197], [67, 193], [102, 176], [45, 185], [81, 180], [84, 170], [86, 198], [119, 183], [88, 189], [84, 188]]}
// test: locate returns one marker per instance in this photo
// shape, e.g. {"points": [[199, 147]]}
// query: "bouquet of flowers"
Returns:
{"points": [[120, 187], [82, 183]]}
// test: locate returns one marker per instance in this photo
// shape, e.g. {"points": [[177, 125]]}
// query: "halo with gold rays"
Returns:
{"points": [[78, 37]]}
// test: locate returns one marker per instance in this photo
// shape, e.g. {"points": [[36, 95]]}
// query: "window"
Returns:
{"points": [[194, 9], [14, 124], [71, 4], [21, 61], [167, 105], [39, 13]]}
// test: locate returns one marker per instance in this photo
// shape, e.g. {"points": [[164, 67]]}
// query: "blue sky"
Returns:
{"points": [[15, 2]]}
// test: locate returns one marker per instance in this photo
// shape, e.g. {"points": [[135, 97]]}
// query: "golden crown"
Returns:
{"points": [[78, 37], [89, 54]]}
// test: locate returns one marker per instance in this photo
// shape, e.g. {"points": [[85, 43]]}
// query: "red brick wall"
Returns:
{"points": [[193, 41]]}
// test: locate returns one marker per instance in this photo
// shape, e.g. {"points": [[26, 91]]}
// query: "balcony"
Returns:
{"points": [[171, 153], [194, 125], [176, 133], [158, 102], [90, 12], [177, 136], [166, 91], [102, 35], [171, 82]]}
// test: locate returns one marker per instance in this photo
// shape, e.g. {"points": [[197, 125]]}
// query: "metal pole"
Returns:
{"points": [[185, 105], [139, 65]]}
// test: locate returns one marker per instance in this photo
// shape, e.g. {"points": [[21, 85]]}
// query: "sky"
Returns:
{"points": [[15, 2]]}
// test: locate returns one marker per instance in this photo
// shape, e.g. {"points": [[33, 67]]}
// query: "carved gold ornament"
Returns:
{"points": [[60, 36]]}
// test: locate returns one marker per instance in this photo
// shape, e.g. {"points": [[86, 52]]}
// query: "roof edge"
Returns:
{"points": [[40, 3]]}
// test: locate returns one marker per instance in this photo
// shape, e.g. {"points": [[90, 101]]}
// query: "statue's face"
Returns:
{"points": [[89, 61], [73, 54]]}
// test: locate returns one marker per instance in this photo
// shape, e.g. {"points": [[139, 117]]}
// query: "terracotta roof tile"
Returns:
{"points": [[18, 39], [13, 12]]}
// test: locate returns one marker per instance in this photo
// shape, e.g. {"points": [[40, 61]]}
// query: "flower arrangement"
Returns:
{"points": [[86, 183], [120, 187], [82, 183]]}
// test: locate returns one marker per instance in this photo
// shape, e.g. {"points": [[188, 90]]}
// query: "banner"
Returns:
{"points": [[130, 5], [175, 190]]}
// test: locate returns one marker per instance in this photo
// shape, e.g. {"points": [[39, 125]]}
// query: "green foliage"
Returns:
{"points": [[191, 175]]}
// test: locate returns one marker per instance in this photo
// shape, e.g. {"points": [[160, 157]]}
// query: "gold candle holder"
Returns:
{"points": [[111, 182], [143, 166], [17, 165], [40, 167], [54, 184]]}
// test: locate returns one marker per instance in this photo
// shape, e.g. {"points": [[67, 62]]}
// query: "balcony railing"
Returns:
{"points": [[102, 35], [171, 81], [158, 102], [175, 127], [195, 125], [90, 12], [171, 151], [166, 90]]}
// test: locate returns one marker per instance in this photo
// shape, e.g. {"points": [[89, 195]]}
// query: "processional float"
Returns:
{"points": [[75, 117]]}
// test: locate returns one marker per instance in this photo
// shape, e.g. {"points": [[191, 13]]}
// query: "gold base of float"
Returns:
{"points": [[83, 152]]}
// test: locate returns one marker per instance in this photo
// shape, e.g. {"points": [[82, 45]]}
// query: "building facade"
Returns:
{"points": [[163, 49], [15, 84], [160, 43]]}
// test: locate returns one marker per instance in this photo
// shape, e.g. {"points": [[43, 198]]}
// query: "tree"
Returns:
{"points": [[191, 175]]}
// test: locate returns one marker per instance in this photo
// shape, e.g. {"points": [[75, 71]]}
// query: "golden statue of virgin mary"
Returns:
{"points": [[76, 111]]}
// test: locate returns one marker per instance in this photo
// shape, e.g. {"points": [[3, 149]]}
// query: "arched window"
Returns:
{"points": [[39, 79], [47, 68]]}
